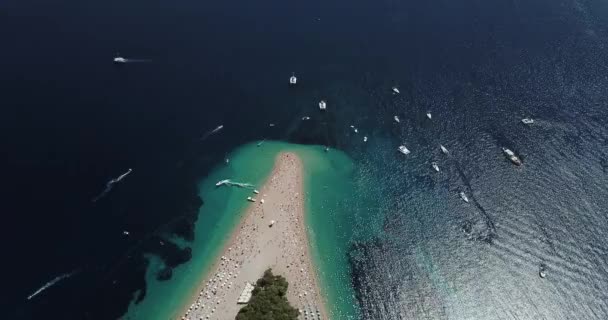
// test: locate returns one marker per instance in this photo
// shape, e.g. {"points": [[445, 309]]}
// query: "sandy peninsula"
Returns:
{"points": [[255, 246]]}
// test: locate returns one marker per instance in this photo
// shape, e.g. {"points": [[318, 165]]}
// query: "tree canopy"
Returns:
{"points": [[268, 300]]}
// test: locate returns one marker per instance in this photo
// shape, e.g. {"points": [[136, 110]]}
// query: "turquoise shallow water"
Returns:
{"points": [[328, 184]]}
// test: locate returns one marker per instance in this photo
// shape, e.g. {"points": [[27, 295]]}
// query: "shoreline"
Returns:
{"points": [[254, 246]]}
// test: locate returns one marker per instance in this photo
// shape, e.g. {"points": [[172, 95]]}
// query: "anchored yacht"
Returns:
{"points": [[464, 197], [293, 79], [443, 149], [511, 155], [542, 271], [396, 119], [404, 150], [396, 90]]}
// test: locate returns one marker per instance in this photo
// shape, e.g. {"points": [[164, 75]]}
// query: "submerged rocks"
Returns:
{"points": [[164, 274]]}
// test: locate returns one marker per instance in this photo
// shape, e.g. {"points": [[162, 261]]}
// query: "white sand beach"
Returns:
{"points": [[256, 246]]}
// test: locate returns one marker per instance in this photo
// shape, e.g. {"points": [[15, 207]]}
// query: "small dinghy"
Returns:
{"points": [[396, 119], [443, 149], [322, 105], [527, 121], [435, 166], [429, 115], [396, 90]]}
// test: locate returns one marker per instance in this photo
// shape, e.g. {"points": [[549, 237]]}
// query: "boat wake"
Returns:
{"points": [[129, 60], [52, 283], [110, 185], [231, 183], [214, 131]]}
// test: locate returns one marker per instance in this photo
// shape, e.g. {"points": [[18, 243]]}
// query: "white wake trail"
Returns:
{"points": [[214, 131], [110, 184], [51, 283]]}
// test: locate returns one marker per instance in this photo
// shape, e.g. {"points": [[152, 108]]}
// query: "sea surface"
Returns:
{"points": [[82, 243]]}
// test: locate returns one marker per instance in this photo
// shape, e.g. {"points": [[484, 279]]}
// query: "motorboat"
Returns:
{"points": [[271, 125], [119, 59], [435, 166], [256, 191], [293, 79], [126, 233], [365, 139], [444, 149], [322, 105], [306, 118], [222, 182], [542, 271], [250, 199], [511, 155], [428, 115], [396, 90], [396, 119], [326, 149], [404, 150], [464, 197], [527, 121]]}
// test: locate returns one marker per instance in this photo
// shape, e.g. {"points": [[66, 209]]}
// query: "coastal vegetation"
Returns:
{"points": [[268, 300]]}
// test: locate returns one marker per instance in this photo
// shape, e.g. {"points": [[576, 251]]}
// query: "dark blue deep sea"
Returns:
{"points": [[71, 120]]}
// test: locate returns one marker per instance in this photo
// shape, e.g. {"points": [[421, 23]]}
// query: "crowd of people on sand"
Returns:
{"points": [[282, 246]]}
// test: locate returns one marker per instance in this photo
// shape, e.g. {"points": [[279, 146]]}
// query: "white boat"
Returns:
{"points": [[396, 119], [356, 130], [527, 121], [542, 271], [126, 233], [511, 155], [464, 197], [428, 115], [271, 125], [404, 150], [222, 182], [293, 79], [322, 105], [256, 191], [250, 199], [396, 90], [443, 149], [306, 118], [326, 149], [435, 166], [119, 59], [365, 139]]}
